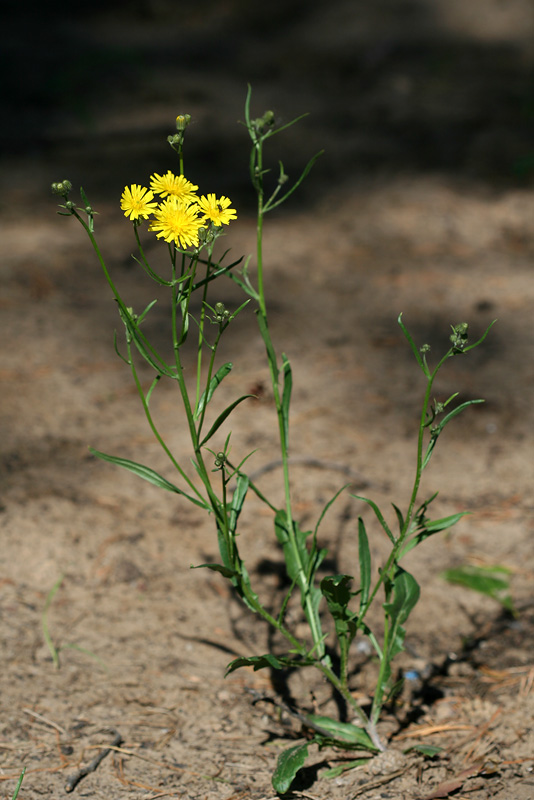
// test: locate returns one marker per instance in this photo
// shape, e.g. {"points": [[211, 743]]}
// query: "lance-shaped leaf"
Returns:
{"points": [[271, 355], [267, 661], [286, 395], [405, 596], [378, 514], [146, 351], [288, 764], [221, 418], [238, 499], [217, 379], [364, 553], [146, 474], [493, 581], [430, 528], [343, 731]]}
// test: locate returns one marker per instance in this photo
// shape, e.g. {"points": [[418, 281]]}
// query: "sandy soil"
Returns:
{"points": [[143, 640]]}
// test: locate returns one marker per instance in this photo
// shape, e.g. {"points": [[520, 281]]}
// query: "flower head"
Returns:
{"points": [[177, 222], [135, 201], [216, 210], [174, 185]]}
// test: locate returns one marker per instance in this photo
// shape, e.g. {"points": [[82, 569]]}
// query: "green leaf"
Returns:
{"points": [[146, 474], [19, 784], [412, 344], [336, 591], [335, 772], [476, 344], [492, 581], [271, 355], [219, 376], [365, 564], [454, 413], [427, 750], [326, 508], [228, 573], [221, 418], [378, 514], [343, 731], [142, 345], [267, 661], [289, 763], [400, 517], [286, 395], [430, 528], [406, 593], [238, 499], [302, 564]]}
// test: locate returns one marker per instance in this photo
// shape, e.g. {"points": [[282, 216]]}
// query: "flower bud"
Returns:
{"points": [[182, 121], [62, 188]]}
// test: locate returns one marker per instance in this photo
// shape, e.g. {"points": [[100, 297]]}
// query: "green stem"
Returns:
{"points": [[303, 582]]}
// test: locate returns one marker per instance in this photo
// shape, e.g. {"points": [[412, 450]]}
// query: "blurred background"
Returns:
{"points": [[394, 87]]}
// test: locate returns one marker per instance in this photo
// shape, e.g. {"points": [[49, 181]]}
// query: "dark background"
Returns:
{"points": [[393, 87]]}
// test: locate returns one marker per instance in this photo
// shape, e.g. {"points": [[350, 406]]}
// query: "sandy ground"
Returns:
{"points": [[143, 640]]}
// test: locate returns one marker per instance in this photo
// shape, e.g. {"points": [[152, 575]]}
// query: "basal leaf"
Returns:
{"points": [[343, 731], [289, 763], [492, 581]]}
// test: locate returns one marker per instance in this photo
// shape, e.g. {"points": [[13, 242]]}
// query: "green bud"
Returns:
{"points": [[425, 348], [459, 336], [62, 188], [221, 313], [182, 121], [220, 460]]}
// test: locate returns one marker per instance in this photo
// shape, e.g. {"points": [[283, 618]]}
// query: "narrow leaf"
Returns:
{"points": [[221, 418], [217, 379], [228, 573], [343, 731], [238, 499], [378, 514], [364, 554], [455, 412], [492, 581], [286, 395], [262, 662], [412, 344], [146, 474], [271, 355], [289, 763]]}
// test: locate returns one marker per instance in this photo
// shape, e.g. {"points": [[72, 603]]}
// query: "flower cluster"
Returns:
{"points": [[180, 213]]}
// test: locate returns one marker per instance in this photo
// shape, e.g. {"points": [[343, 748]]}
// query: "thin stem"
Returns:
{"points": [[303, 582]]}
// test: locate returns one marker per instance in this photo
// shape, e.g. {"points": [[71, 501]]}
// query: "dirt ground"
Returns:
{"points": [[433, 225]]}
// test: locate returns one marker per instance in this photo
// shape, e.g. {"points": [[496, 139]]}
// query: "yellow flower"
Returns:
{"points": [[177, 222], [135, 201], [175, 185], [216, 210]]}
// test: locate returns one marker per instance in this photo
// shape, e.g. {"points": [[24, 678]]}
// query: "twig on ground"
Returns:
{"points": [[74, 779], [45, 720]]}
